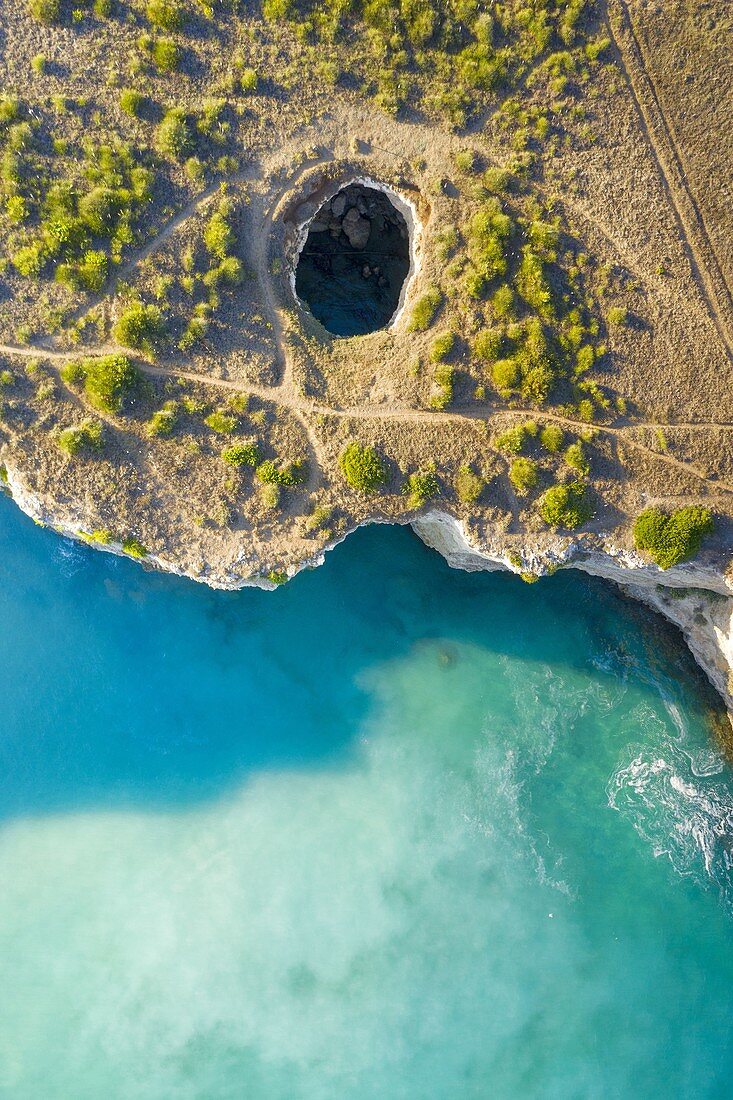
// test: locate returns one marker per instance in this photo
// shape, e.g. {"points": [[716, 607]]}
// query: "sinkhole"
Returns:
{"points": [[355, 260]]}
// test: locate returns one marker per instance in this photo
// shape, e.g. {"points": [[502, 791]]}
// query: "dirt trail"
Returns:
{"points": [[303, 408], [669, 158]]}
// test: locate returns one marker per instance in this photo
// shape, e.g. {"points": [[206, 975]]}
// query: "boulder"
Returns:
{"points": [[356, 228], [338, 204]]}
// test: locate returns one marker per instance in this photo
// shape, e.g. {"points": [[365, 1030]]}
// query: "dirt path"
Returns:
{"points": [[669, 158], [304, 408]]}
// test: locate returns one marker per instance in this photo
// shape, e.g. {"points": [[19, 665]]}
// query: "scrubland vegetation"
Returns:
{"points": [[672, 537], [513, 325]]}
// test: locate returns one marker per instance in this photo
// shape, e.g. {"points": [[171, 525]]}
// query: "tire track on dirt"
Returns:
{"points": [[665, 149]]}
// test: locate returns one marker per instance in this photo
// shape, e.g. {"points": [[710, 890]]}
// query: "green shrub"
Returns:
{"points": [[532, 285], [465, 160], [503, 301], [223, 423], [444, 377], [131, 102], [173, 136], [86, 437], [514, 440], [497, 180], [249, 80], [134, 547], [469, 486], [270, 495], [164, 420], [442, 346], [288, 475], [421, 487], [228, 273], [552, 437], [246, 453], [139, 326], [218, 235], [566, 505], [584, 359], [9, 109], [505, 375], [487, 344], [576, 457], [617, 316], [29, 260], [108, 381], [165, 15], [425, 310], [38, 64], [524, 474], [45, 11], [362, 467], [672, 537], [319, 518], [19, 136], [166, 55], [99, 208], [92, 270]]}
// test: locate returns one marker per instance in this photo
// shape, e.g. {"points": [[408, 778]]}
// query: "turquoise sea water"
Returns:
{"points": [[392, 831]]}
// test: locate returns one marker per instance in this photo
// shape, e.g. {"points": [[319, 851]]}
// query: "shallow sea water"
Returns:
{"points": [[392, 831]]}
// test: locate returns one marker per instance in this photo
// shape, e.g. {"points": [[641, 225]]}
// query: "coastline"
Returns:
{"points": [[697, 599]]}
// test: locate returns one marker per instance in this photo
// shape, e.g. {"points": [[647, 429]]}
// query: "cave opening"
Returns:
{"points": [[355, 261]]}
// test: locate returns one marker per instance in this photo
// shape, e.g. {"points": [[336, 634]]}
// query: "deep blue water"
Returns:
{"points": [[390, 831]]}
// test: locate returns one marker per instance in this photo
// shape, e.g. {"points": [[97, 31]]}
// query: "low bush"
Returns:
{"points": [[552, 437], [246, 453], [425, 309], [566, 505], [164, 420], [9, 109], [249, 80], [362, 467], [505, 375], [29, 260], [514, 440], [524, 475], [487, 344], [164, 15], [672, 537], [131, 102], [108, 381], [577, 459], [444, 378], [469, 486], [92, 270], [617, 316], [497, 180], [221, 422], [442, 346], [420, 487], [288, 475], [86, 437], [166, 55], [134, 547], [173, 136], [139, 326], [45, 11]]}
